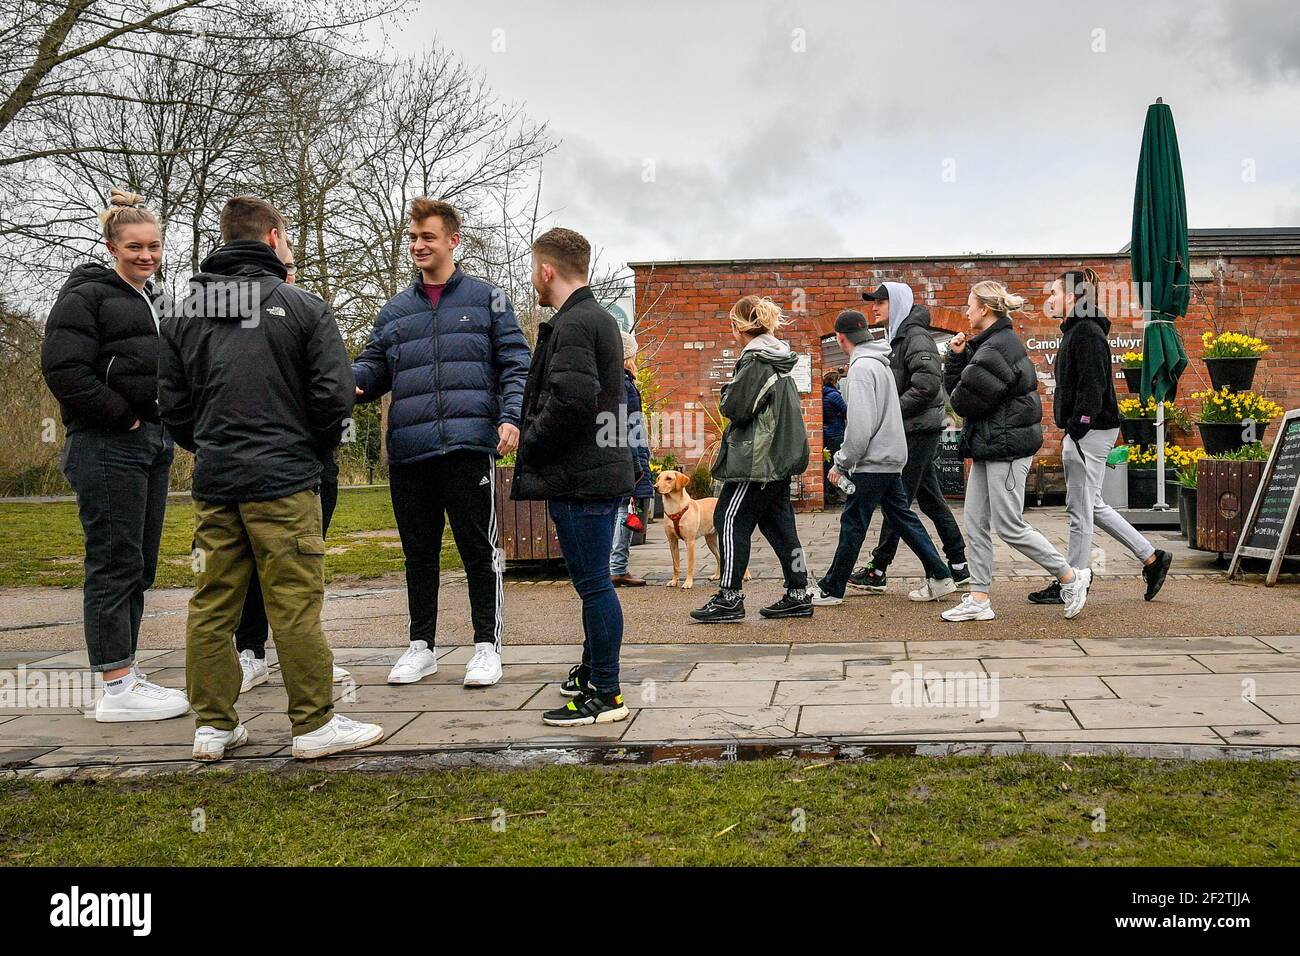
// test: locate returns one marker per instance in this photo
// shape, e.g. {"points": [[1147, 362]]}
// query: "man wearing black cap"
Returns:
{"points": [[918, 373], [873, 454]]}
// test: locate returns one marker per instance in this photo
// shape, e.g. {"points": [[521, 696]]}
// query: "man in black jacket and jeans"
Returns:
{"points": [[914, 359], [1085, 408], [255, 381], [574, 454]]}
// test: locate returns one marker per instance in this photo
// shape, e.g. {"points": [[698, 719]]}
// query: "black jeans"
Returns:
{"points": [[886, 490], [121, 483], [586, 533], [745, 505], [460, 486], [921, 483], [254, 628]]}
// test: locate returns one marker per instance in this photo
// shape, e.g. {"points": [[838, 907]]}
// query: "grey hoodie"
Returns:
{"points": [[874, 440]]}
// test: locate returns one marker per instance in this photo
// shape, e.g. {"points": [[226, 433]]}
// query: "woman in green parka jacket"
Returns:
{"points": [[764, 445]]}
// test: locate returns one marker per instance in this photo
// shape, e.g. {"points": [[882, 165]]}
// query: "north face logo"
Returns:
{"points": [[275, 310]]}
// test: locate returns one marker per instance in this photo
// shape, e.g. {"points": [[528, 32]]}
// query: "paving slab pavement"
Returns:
{"points": [[1209, 664]]}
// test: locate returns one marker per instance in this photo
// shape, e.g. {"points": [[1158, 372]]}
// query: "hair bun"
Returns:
{"points": [[120, 197]]}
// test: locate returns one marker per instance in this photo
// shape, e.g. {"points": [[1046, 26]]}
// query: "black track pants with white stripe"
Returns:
{"points": [[461, 486], [746, 505]]}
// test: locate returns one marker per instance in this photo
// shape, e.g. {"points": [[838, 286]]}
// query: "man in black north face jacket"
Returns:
{"points": [[255, 380]]}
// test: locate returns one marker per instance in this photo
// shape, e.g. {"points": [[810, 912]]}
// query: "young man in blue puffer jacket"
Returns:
{"points": [[451, 351]]}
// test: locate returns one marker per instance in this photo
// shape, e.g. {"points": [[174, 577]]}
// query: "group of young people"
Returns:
{"points": [[250, 373], [889, 413]]}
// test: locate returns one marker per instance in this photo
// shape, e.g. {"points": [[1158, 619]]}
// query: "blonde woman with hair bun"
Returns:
{"points": [[763, 446], [100, 360], [992, 385]]}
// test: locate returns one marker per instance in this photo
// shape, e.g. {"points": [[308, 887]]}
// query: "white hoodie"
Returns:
{"points": [[874, 440]]}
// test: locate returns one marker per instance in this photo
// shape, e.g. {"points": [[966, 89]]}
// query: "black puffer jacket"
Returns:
{"points": [[918, 373], [100, 354], [573, 443], [994, 388], [1085, 377], [259, 395]]}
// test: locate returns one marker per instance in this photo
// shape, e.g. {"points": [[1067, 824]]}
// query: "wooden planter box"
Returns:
{"points": [[524, 528], [1224, 491]]}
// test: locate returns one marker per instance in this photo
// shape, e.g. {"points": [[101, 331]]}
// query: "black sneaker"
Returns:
{"points": [[589, 707], [579, 680], [960, 573], [1048, 595], [868, 578], [720, 610], [789, 606], [1156, 572]]}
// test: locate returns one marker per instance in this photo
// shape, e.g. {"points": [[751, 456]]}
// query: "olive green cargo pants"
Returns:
{"points": [[282, 543]]}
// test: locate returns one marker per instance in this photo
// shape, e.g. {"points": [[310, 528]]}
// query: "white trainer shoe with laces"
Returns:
{"points": [[143, 700], [417, 662], [484, 668], [1075, 594], [255, 671], [340, 735], [212, 744], [933, 589], [969, 610]]}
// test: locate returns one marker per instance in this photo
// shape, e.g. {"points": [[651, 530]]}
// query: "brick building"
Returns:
{"points": [[1245, 280]]}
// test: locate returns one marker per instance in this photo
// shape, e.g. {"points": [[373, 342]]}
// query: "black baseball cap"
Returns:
{"points": [[853, 324], [880, 294]]}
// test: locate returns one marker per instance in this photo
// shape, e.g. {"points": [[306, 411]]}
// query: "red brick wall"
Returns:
{"points": [[681, 305]]}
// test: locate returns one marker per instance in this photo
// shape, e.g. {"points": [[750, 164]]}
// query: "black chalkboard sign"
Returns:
{"points": [[952, 473], [1269, 530]]}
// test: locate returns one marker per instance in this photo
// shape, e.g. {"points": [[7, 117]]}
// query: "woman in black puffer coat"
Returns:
{"points": [[994, 388], [100, 360]]}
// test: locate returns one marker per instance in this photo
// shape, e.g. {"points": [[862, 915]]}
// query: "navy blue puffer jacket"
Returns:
{"points": [[456, 372]]}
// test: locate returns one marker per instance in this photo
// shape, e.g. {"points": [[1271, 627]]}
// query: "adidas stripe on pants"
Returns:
{"points": [[746, 505]]}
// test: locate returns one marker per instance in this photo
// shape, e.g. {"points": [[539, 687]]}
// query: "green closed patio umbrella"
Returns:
{"points": [[1161, 270]]}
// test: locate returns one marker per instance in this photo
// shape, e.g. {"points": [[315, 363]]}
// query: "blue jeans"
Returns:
{"points": [[886, 491], [618, 557], [586, 533]]}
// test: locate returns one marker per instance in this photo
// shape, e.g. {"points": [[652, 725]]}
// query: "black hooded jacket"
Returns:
{"points": [[994, 388], [572, 443], [253, 378], [100, 353], [1085, 377], [914, 359]]}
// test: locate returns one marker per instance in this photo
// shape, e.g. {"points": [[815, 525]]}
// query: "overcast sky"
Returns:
{"points": [[856, 129]]}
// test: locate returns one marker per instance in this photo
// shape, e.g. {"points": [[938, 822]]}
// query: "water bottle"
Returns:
{"points": [[845, 485]]}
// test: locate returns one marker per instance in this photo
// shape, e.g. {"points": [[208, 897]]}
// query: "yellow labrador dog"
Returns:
{"points": [[686, 519]]}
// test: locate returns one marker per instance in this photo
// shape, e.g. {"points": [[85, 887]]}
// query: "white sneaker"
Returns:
{"points": [[822, 599], [933, 589], [970, 610], [484, 668], [340, 675], [1075, 594], [141, 701], [416, 663], [340, 735], [212, 744], [254, 672]]}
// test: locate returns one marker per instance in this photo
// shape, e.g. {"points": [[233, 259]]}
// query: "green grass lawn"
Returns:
{"points": [[41, 544], [962, 810]]}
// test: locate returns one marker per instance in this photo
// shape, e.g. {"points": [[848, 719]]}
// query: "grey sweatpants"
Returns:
{"points": [[1085, 467], [995, 502]]}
